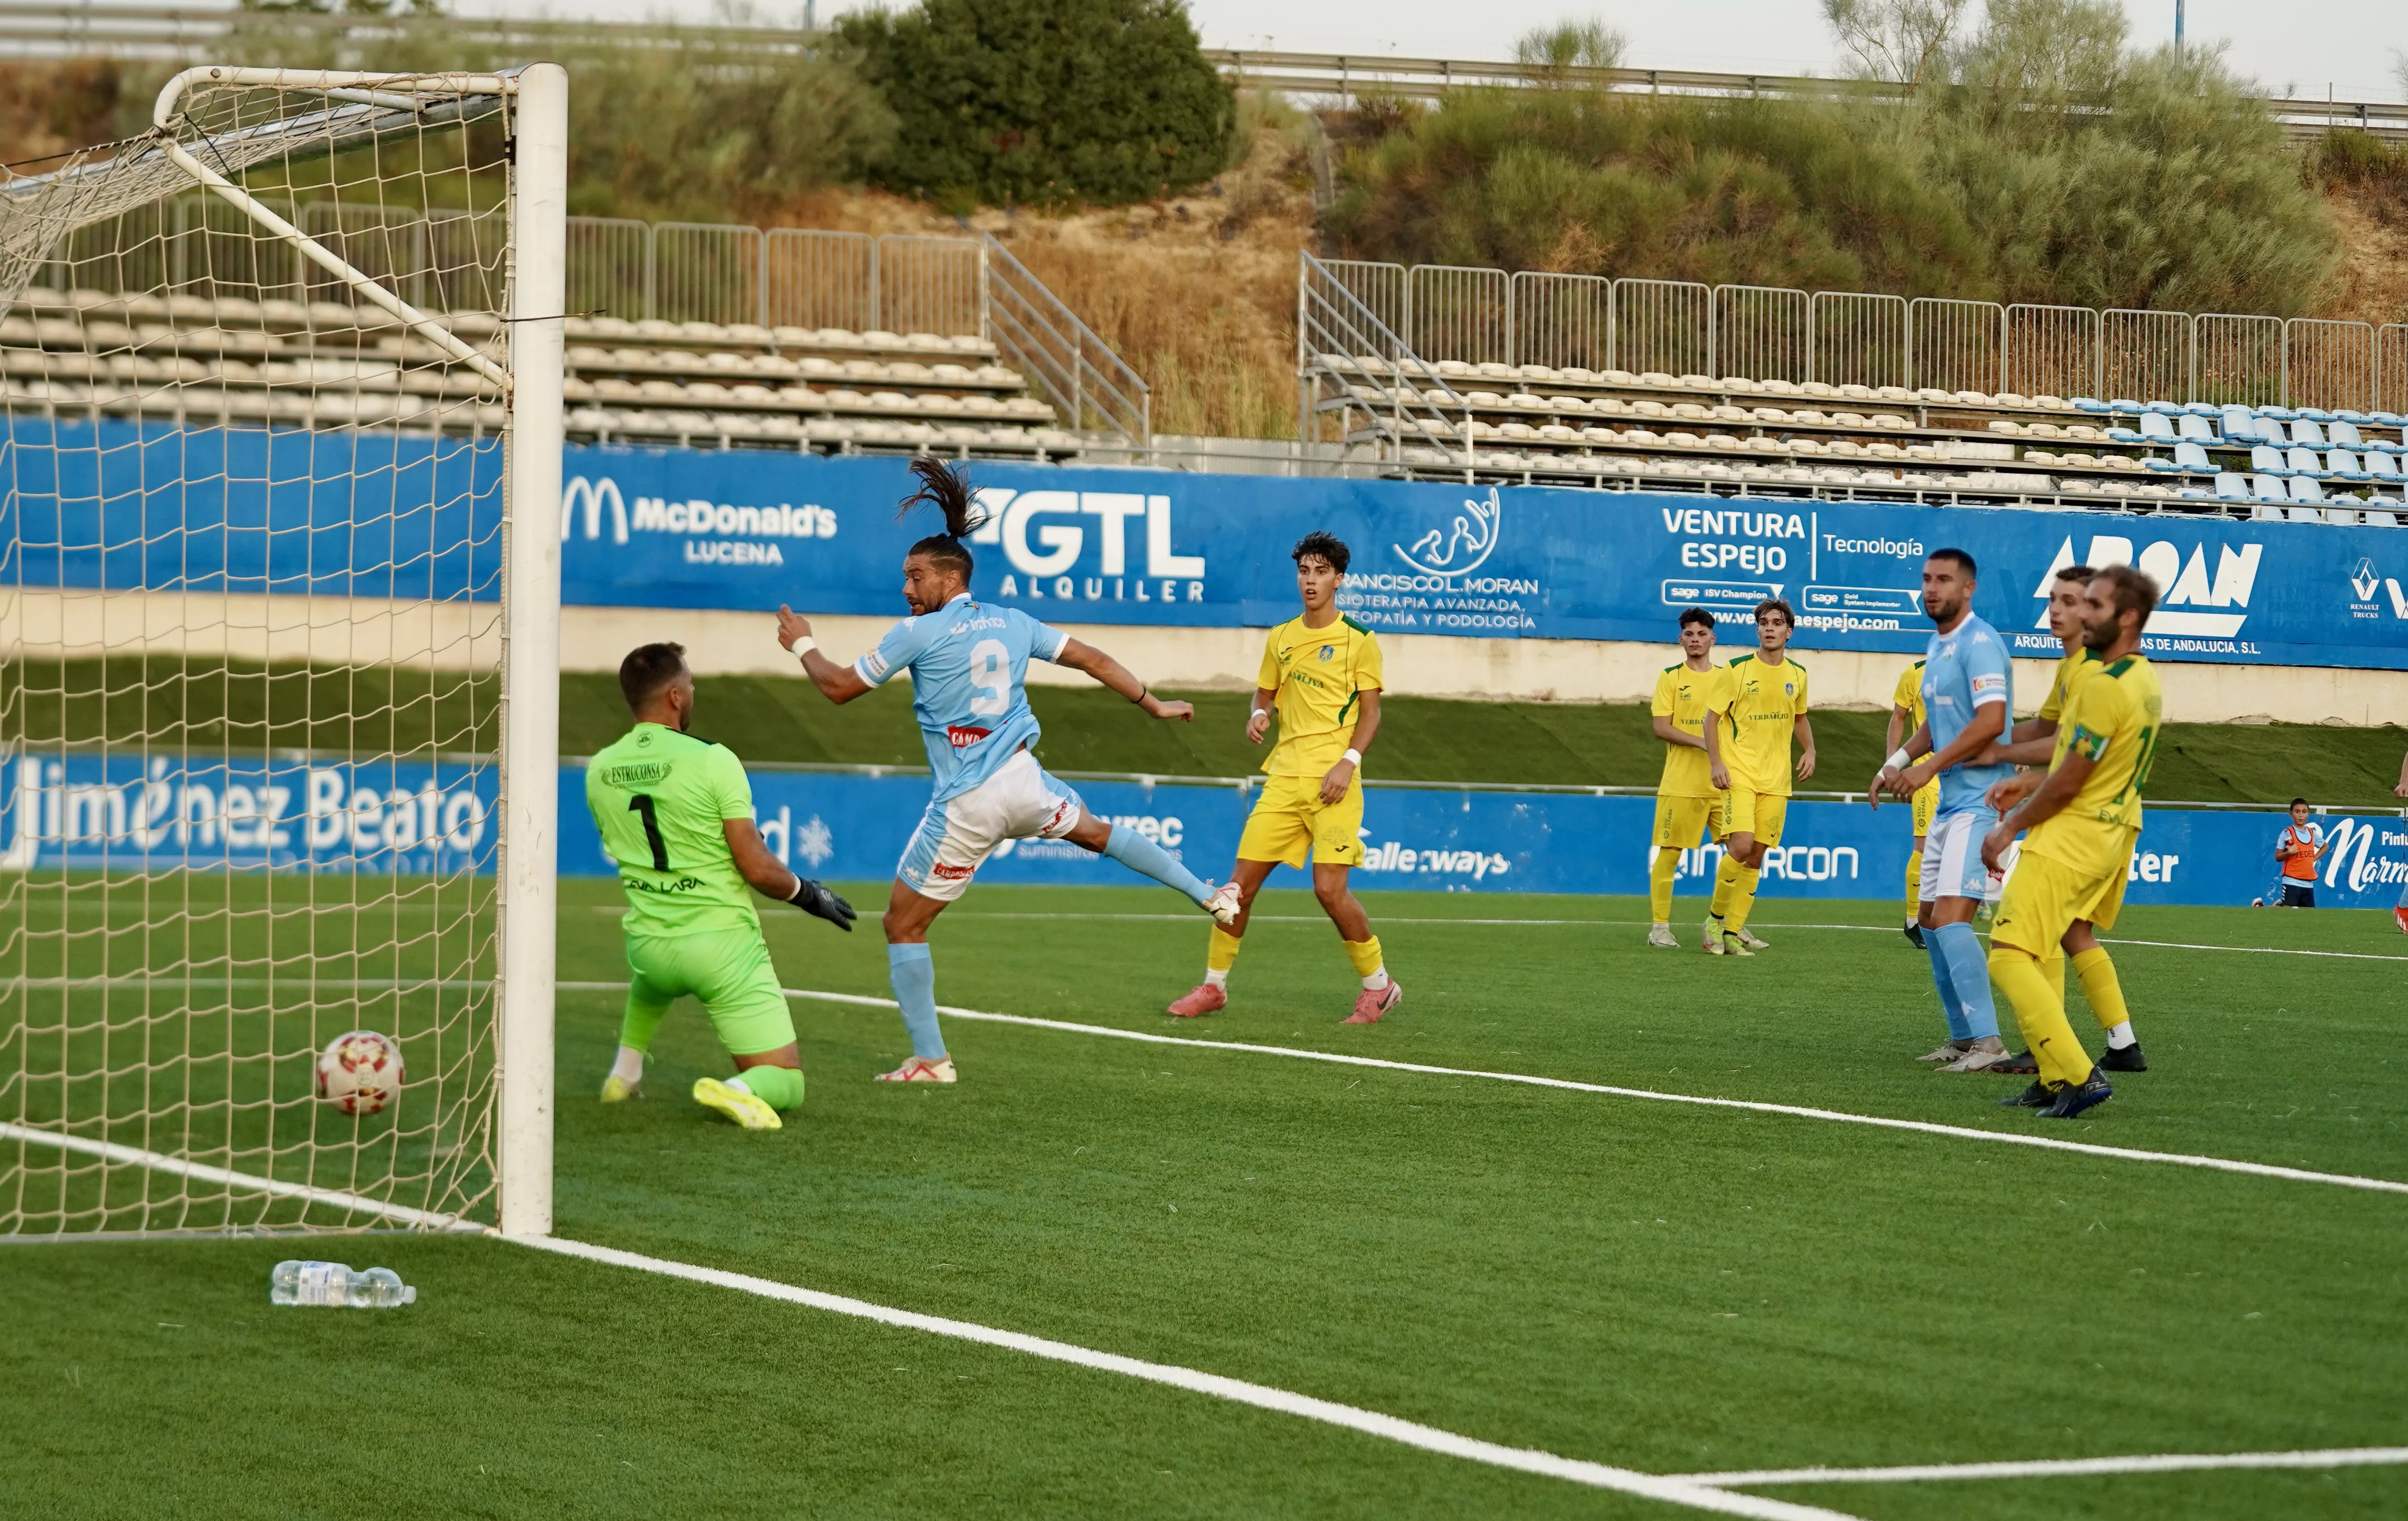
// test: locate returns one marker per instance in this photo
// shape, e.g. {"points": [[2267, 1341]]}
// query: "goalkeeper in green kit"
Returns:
{"points": [[676, 813]]}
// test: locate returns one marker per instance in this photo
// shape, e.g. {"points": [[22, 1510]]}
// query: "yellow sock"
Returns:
{"points": [[2041, 1012], [1915, 884], [1223, 953], [1726, 883], [2101, 987], [1660, 873], [1744, 897], [1365, 955], [2053, 970]]}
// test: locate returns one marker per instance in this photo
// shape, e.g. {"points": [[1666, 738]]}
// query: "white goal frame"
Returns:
{"points": [[528, 835]]}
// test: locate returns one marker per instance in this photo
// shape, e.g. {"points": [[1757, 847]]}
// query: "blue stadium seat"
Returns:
{"points": [[2304, 490], [2267, 459], [2343, 434], [2189, 460], [2193, 494], [2242, 428], [2169, 408], [2350, 414], [2156, 428], [2089, 403], [2200, 409], [2381, 467], [2343, 464], [2304, 460], [2267, 488], [2125, 405], [2280, 414], [2198, 427], [2231, 487], [2388, 419], [2305, 431], [2315, 414]]}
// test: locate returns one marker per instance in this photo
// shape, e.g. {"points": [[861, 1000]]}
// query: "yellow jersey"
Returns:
{"points": [[2072, 671], [1909, 695], [1689, 699], [2114, 721], [1762, 704], [1320, 675]]}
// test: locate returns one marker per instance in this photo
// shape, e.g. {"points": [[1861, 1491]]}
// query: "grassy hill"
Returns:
{"points": [[773, 718]]}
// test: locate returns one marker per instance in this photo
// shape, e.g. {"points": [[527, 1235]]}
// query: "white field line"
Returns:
{"points": [[1634, 924], [2330, 1457], [1686, 1492], [160, 1162], [2007, 1138]]}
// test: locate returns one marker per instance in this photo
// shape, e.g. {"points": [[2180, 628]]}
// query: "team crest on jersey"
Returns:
{"points": [[1326, 651]]}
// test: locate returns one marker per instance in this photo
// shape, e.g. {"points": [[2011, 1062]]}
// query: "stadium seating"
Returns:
{"points": [[1735, 434], [700, 384]]}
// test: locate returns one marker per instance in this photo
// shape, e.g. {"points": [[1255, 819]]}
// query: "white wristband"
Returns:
{"points": [[1352, 757], [1262, 713], [805, 645], [1899, 759]]}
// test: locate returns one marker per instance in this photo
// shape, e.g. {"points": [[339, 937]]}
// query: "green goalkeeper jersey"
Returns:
{"points": [[658, 798]]}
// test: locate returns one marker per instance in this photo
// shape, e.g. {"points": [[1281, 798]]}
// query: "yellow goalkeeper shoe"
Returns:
{"points": [[743, 1108], [617, 1089]]}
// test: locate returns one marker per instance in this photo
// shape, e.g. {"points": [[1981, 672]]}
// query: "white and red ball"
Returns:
{"points": [[360, 1072]]}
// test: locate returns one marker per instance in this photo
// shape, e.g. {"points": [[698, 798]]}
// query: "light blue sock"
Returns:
{"points": [[1140, 854], [914, 972], [1958, 1029], [1969, 971]]}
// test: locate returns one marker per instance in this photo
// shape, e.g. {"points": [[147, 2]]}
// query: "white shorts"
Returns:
{"points": [[1952, 858], [1018, 801]]}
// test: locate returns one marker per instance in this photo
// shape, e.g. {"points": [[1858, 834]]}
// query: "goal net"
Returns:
{"points": [[278, 700]]}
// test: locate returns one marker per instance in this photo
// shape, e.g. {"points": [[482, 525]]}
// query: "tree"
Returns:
{"points": [[1896, 40], [1045, 101]]}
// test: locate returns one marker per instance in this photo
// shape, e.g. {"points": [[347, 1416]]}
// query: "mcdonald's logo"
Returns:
{"points": [[593, 495]]}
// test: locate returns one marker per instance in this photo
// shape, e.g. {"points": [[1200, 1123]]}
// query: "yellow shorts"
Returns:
{"points": [[1290, 818], [1680, 822], [1760, 813], [1926, 803], [2044, 898]]}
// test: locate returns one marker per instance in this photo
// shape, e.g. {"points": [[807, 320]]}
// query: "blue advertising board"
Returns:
{"points": [[385, 818], [749, 529], [122, 505], [851, 827]]}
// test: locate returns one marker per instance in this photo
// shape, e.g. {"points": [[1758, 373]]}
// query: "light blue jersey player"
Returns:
{"points": [[1968, 701], [969, 663]]}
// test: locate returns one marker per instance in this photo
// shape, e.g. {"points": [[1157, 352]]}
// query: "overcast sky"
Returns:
{"points": [[2346, 45]]}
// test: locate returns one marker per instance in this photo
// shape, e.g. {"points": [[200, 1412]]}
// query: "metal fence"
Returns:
{"points": [[680, 272], [1841, 338]]}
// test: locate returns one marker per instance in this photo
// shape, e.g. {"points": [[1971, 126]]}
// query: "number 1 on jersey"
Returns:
{"points": [[640, 803]]}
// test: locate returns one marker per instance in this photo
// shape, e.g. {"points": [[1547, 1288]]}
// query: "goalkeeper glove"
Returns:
{"points": [[812, 898]]}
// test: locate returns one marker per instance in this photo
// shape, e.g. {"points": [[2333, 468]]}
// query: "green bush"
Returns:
{"points": [[1045, 101], [2042, 162]]}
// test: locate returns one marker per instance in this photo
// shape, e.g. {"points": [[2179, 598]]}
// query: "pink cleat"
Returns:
{"points": [[1202, 999], [1370, 1005]]}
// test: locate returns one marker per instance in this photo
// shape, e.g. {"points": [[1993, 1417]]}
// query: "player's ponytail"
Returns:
{"points": [[948, 489]]}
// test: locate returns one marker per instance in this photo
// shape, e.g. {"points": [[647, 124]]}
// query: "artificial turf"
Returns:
{"points": [[1658, 1285]]}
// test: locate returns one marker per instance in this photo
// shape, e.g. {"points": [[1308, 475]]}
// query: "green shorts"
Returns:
{"points": [[731, 974]]}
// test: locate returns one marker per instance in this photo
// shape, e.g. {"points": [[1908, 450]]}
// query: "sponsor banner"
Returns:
{"points": [[750, 529], [125, 505], [123, 813], [854, 828], [415, 817], [128, 505]]}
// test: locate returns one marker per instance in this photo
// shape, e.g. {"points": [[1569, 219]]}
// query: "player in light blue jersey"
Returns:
{"points": [[969, 661], [1967, 701]]}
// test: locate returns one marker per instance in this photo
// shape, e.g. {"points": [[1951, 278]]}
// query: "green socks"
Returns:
{"points": [[779, 1088]]}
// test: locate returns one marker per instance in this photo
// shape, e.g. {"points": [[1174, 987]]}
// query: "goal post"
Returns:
{"points": [[280, 486]]}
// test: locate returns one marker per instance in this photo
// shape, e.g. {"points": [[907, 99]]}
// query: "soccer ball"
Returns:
{"points": [[360, 1072]]}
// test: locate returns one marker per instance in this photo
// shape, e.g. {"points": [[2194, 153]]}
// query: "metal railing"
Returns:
{"points": [[728, 273], [1847, 337], [1341, 340]]}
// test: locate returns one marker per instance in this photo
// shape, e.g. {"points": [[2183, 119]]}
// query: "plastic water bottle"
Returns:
{"points": [[379, 1289], [331, 1284]]}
